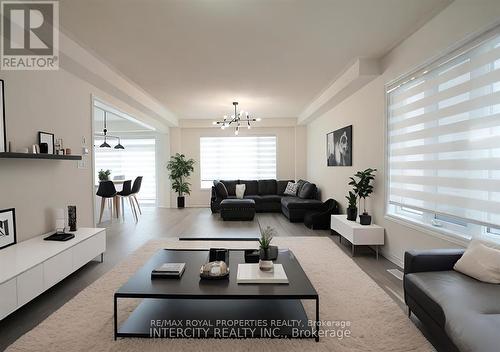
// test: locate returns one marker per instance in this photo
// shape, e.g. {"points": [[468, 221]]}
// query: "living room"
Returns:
{"points": [[250, 175]]}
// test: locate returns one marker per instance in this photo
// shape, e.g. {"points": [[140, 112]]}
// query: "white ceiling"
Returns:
{"points": [[273, 56]]}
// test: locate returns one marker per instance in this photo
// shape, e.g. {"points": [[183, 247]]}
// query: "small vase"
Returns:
{"points": [[265, 262], [352, 214], [365, 219]]}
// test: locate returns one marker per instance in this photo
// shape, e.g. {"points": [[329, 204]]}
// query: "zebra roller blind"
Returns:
{"points": [[444, 136], [232, 158]]}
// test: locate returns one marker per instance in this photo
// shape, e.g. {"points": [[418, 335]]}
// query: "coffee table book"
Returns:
{"points": [[169, 270], [251, 274]]}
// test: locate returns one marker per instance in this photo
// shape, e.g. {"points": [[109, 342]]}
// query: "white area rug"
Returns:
{"points": [[346, 293]]}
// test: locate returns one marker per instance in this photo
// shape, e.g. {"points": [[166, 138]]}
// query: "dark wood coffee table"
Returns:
{"points": [[272, 310]]}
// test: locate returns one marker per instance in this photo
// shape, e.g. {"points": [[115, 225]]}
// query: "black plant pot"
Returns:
{"points": [[352, 214], [180, 202], [365, 219]]}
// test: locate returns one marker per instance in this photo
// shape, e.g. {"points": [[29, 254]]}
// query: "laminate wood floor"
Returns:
{"points": [[125, 236]]}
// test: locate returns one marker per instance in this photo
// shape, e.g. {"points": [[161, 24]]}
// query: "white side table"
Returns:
{"points": [[357, 234]]}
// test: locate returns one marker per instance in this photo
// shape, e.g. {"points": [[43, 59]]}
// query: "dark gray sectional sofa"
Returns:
{"points": [[461, 312], [269, 197]]}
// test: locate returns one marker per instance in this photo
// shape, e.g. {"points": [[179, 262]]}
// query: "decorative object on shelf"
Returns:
{"points": [[7, 227], [67, 151], [34, 149], [362, 188], [339, 147], [266, 261], [214, 270], [106, 135], [59, 146], [104, 175], [44, 148], [3, 135], [45, 137], [237, 119], [352, 209], [72, 217], [180, 169]]}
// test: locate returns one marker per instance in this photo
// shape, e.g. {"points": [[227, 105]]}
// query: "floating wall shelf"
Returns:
{"points": [[8, 155]]}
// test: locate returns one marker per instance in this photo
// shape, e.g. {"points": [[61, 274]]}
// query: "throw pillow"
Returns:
{"points": [[291, 189], [300, 184], [240, 191], [480, 262], [307, 191], [221, 189]]}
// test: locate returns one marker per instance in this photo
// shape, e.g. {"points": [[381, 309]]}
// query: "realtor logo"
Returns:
{"points": [[30, 35]]}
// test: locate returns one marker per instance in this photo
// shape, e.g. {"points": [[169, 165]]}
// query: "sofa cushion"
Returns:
{"points": [[230, 186], [468, 309], [308, 191], [291, 189], [299, 203], [480, 262], [256, 198], [251, 187], [267, 187], [271, 198], [240, 191], [281, 186], [220, 189], [300, 183]]}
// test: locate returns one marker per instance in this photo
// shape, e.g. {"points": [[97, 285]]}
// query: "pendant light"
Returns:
{"points": [[119, 145], [105, 131]]}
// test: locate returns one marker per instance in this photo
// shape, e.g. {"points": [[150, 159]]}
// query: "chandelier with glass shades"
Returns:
{"points": [[239, 119]]}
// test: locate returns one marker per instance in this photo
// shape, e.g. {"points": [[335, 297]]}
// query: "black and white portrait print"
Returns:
{"points": [[339, 147], [7, 227]]}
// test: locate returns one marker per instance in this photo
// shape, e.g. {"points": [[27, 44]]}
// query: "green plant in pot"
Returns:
{"points": [[180, 169], [352, 209], [362, 188], [267, 252], [103, 175]]}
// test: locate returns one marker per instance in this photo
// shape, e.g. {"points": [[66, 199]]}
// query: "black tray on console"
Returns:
{"points": [[60, 237]]}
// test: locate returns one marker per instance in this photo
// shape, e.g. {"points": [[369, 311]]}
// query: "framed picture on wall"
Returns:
{"points": [[3, 136], [7, 227], [45, 137], [339, 147]]}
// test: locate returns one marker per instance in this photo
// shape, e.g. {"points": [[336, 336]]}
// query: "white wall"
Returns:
{"points": [[365, 111], [60, 102], [290, 150]]}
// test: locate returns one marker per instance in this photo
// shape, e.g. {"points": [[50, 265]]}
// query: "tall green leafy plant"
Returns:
{"points": [[361, 185], [180, 169]]}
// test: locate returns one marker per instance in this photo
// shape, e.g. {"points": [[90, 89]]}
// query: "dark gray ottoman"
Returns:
{"points": [[237, 209]]}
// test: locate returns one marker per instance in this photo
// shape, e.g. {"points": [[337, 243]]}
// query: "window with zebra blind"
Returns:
{"points": [[233, 158], [443, 142]]}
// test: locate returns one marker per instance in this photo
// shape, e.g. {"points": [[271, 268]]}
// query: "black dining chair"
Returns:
{"points": [[135, 189], [126, 192], [107, 190]]}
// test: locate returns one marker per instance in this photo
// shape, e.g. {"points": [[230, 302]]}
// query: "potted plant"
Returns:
{"points": [[352, 209], [362, 188], [103, 175], [180, 169], [267, 252]]}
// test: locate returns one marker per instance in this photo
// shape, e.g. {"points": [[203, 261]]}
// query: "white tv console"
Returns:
{"points": [[31, 267]]}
